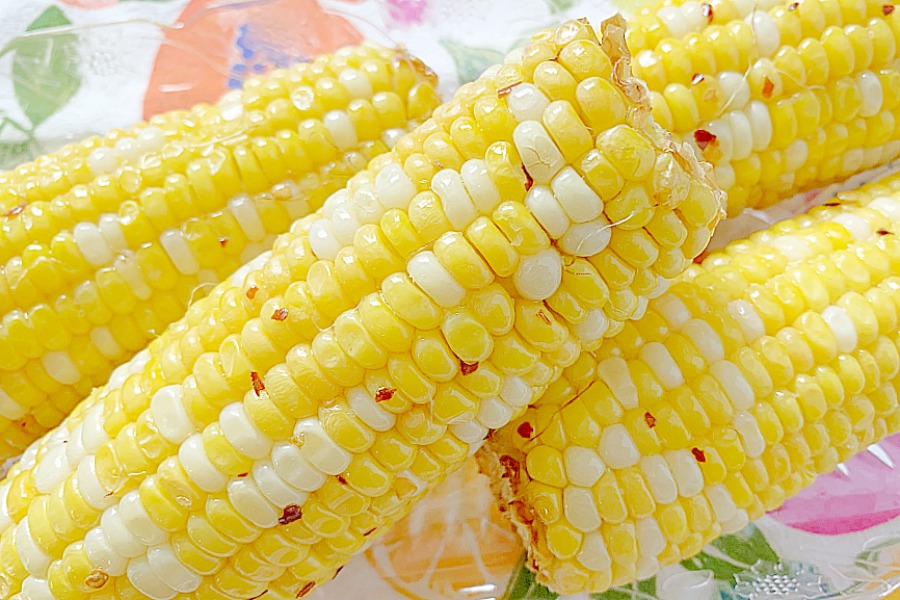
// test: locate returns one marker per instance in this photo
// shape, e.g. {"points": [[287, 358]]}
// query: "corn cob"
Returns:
{"points": [[768, 364], [296, 412], [780, 97], [95, 273], [264, 106]]}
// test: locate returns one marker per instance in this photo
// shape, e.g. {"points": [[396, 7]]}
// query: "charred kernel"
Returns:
{"points": [[96, 579], [258, 385], [525, 430], [291, 513], [467, 368], [699, 454], [306, 589], [280, 314], [650, 420], [383, 394], [510, 468], [251, 292]]}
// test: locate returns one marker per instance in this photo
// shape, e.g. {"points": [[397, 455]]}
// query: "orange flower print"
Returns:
{"points": [[216, 45], [89, 3]]}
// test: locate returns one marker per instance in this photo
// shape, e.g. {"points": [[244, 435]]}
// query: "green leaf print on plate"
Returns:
{"points": [[45, 67], [471, 61], [557, 6], [522, 585], [639, 590]]}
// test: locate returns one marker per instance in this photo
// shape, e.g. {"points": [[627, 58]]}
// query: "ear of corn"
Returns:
{"points": [[295, 413], [92, 274], [767, 365], [780, 96]]}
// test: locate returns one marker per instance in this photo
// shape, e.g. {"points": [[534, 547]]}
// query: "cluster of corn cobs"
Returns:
{"points": [[510, 273]]}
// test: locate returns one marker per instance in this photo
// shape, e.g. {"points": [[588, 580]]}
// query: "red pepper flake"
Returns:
{"points": [[223, 242], [768, 88], [883, 232], [244, 474], [306, 589], [525, 430], [699, 454], [794, 6], [338, 571], [504, 91], [650, 420], [832, 204], [16, 210], [290, 514], [704, 138], [887, 9], [467, 368], [251, 292], [280, 314], [96, 579], [260, 595], [706, 10], [543, 317], [529, 180], [697, 78], [383, 394], [370, 532], [342, 480], [258, 385]]}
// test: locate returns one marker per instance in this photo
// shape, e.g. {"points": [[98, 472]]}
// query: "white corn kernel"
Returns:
{"points": [[167, 567], [53, 468], [587, 239], [741, 135], [540, 156], [128, 149], [169, 414], [481, 187], [470, 432], [126, 266], [594, 554], [102, 555], [761, 124], [90, 487], [356, 83], [323, 240], [146, 581], [526, 102], [242, 433], [274, 488], [748, 428], [319, 449], [659, 478], [294, 469], [35, 589], [35, 560], [673, 310], [685, 471], [705, 338], [581, 203], [60, 366], [458, 206], [249, 502], [735, 90], [117, 536], [10, 409], [364, 406], [543, 205], [650, 538], [339, 125], [111, 231], [134, 516], [429, 274], [103, 160], [179, 252], [842, 327], [766, 33], [344, 225], [664, 367], [614, 373], [855, 225], [583, 465], [580, 508], [674, 19], [538, 276], [721, 502], [593, 327], [515, 392], [748, 319], [92, 244], [394, 187], [617, 449], [493, 413], [198, 467], [872, 94], [733, 382]]}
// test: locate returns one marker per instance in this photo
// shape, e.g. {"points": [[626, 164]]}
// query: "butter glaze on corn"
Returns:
{"points": [[770, 363], [93, 274], [295, 413], [780, 96]]}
